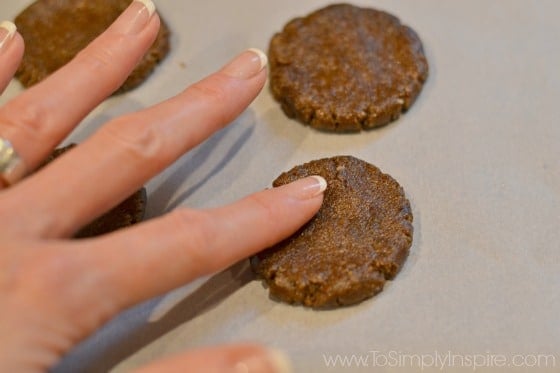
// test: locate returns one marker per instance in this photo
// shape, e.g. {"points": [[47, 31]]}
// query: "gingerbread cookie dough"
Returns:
{"points": [[56, 30], [358, 240], [345, 68]]}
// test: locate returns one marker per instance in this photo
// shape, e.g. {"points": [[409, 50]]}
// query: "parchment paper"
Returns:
{"points": [[477, 154]]}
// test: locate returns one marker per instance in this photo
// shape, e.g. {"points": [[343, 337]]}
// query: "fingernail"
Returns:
{"points": [[308, 187], [273, 361], [7, 32], [135, 17], [247, 64]]}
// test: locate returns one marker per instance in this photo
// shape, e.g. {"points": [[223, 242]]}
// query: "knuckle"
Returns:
{"points": [[101, 54], [140, 142], [266, 209], [67, 279], [206, 91], [50, 269], [41, 271], [213, 94], [33, 120]]}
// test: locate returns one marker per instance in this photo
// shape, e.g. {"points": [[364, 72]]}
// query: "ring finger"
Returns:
{"points": [[38, 119]]}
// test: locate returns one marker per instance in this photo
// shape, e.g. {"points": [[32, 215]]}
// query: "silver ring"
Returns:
{"points": [[12, 168]]}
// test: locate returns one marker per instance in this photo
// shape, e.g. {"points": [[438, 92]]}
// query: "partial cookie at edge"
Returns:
{"points": [[54, 31], [129, 212]]}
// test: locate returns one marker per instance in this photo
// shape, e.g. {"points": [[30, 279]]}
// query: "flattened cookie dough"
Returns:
{"points": [[127, 213], [360, 238], [56, 30], [344, 68]]}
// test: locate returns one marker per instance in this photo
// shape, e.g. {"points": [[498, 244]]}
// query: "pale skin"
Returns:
{"points": [[55, 291]]}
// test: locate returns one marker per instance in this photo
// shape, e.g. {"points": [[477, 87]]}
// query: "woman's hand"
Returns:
{"points": [[55, 291]]}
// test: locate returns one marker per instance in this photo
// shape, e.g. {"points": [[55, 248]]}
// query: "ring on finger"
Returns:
{"points": [[12, 168]]}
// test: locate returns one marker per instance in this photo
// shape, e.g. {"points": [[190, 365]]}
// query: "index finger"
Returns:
{"points": [[162, 254], [131, 149]]}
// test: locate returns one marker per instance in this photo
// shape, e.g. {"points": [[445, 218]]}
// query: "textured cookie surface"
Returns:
{"points": [[128, 212], [345, 68], [56, 30], [360, 238]]}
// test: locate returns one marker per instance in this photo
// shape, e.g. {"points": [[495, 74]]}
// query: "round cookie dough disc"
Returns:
{"points": [[56, 30], [360, 238], [345, 68]]}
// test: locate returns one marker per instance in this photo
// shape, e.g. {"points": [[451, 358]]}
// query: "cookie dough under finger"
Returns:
{"points": [[358, 240]]}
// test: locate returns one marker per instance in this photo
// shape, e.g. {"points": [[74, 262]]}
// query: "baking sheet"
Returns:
{"points": [[478, 156]]}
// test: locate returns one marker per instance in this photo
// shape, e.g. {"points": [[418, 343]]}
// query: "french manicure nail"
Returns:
{"points": [[7, 32], [273, 361], [135, 17], [308, 187], [317, 187], [247, 65]]}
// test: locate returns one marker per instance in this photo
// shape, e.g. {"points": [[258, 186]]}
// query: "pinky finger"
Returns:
{"points": [[232, 358], [11, 52]]}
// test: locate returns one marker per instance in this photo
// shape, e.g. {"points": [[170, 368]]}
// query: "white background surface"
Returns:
{"points": [[478, 156]]}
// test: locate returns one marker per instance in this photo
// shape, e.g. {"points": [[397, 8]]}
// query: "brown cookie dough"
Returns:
{"points": [[344, 68], [56, 30], [128, 212], [360, 238]]}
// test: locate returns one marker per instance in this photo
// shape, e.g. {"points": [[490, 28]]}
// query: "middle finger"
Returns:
{"points": [[125, 153]]}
